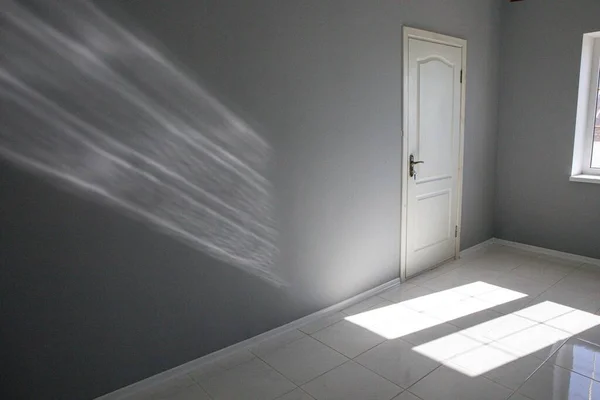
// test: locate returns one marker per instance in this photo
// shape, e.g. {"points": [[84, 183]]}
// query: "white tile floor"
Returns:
{"points": [[503, 324]]}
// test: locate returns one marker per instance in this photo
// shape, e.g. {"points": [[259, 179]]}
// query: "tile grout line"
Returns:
{"points": [[376, 373], [349, 359], [245, 362], [418, 398], [286, 393], [425, 376], [551, 286], [300, 386], [383, 377], [320, 375]]}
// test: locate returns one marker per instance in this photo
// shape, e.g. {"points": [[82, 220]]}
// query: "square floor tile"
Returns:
{"points": [[348, 338], [544, 311], [351, 381], [250, 380], [480, 360], [276, 342], [322, 323], [539, 340], [579, 356], [447, 384], [365, 305], [498, 328], [447, 347], [396, 361], [304, 359], [513, 374], [575, 322], [297, 394], [554, 382]]}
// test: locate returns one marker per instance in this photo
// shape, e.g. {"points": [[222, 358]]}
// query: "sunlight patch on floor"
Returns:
{"points": [[492, 344], [486, 346], [414, 315]]}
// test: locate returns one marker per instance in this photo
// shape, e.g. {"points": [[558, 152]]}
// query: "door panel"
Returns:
{"points": [[434, 141], [437, 227], [434, 105]]}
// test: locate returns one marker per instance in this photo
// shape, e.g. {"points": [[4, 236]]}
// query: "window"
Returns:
{"points": [[586, 154]]}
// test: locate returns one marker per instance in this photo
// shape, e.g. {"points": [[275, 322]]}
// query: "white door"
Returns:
{"points": [[433, 126]]}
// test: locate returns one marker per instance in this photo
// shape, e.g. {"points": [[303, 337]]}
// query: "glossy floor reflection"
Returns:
{"points": [[502, 324]]}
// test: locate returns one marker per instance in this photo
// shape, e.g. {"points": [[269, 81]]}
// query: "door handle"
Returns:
{"points": [[412, 172]]}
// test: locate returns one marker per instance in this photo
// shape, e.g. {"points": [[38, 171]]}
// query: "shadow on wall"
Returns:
{"points": [[88, 104]]}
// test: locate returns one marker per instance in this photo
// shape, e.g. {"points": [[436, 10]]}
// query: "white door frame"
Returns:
{"points": [[412, 33]]}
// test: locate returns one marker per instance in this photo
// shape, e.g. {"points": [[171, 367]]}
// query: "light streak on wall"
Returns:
{"points": [[89, 104]]}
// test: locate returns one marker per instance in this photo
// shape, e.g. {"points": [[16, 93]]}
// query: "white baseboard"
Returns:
{"points": [[210, 358], [471, 251], [548, 252]]}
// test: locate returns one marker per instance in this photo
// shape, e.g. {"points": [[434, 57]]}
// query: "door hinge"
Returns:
{"points": [[461, 75], [456, 231]]}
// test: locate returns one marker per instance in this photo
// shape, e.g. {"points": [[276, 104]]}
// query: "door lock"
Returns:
{"points": [[412, 172]]}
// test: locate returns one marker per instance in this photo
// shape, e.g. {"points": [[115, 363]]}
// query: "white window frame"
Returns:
{"points": [[586, 111]]}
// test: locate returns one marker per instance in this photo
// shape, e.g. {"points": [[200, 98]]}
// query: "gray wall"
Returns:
{"points": [[541, 52], [93, 301]]}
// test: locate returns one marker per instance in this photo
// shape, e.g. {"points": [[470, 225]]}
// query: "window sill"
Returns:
{"points": [[585, 179]]}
